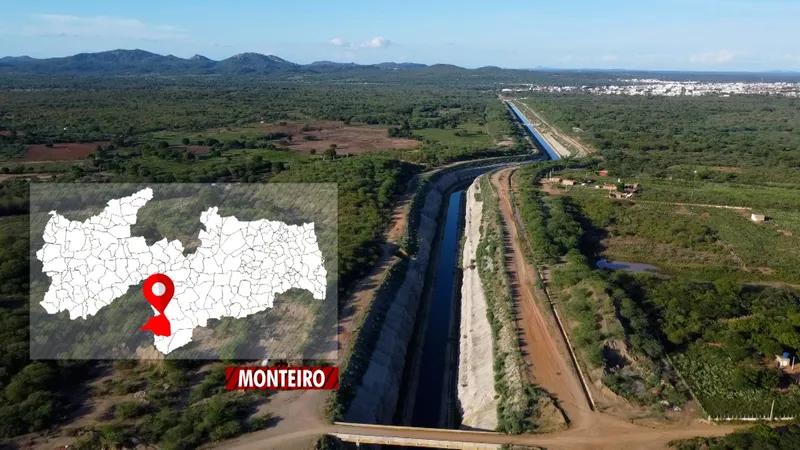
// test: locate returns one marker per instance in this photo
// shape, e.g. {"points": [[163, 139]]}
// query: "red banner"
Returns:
{"points": [[281, 378]]}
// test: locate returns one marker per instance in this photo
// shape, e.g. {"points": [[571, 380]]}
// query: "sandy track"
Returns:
{"points": [[551, 370]]}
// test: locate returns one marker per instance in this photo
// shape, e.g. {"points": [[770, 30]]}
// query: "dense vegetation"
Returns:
{"points": [[759, 437], [111, 108]]}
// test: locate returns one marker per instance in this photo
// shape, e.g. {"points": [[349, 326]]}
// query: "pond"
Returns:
{"points": [[626, 266]]}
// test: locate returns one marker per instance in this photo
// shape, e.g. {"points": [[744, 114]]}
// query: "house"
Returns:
{"points": [[610, 187], [602, 173], [758, 218], [567, 182], [783, 360]]}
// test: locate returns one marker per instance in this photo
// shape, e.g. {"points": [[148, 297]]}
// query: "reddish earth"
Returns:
{"points": [[352, 140], [551, 369], [61, 152]]}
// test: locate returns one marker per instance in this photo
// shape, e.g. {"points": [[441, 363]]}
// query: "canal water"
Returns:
{"points": [[535, 134], [428, 398]]}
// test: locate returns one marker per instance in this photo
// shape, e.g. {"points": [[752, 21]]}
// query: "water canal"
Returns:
{"points": [[433, 391]]}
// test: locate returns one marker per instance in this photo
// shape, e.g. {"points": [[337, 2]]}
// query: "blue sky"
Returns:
{"points": [[642, 34]]}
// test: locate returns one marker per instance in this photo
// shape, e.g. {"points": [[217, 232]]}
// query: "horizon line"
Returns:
{"points": [[535, 68]]}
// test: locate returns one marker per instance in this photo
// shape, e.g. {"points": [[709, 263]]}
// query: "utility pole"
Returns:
{"points": [[772, 410]]}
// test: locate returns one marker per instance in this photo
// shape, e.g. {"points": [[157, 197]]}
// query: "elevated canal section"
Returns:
{"points": [[537, 138]]}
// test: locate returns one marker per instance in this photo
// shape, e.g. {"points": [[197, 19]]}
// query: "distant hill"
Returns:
{"points": [[400, 66], [140, 62], [256, 65]]}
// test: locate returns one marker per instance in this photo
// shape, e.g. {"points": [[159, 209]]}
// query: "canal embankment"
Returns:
{"points": [[476, 394]]}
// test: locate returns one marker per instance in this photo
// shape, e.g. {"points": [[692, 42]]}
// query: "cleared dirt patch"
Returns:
{"points": [[352, 140], [61, 152], [550, 189], [550, 367]]}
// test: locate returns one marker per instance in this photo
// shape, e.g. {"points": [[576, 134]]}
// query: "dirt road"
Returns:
{"points": [[551, 369]]}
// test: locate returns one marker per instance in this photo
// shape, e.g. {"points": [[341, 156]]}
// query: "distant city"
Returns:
{"points": [[671, 88]]}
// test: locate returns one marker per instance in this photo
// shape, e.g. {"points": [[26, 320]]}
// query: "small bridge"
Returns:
{"points": [[418, 437]]}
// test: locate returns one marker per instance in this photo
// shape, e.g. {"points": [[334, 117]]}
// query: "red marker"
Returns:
{"points": [[158, 290]]}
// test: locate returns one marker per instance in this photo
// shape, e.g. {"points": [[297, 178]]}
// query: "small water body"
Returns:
{"points": [[428, 398], [626, 266]]}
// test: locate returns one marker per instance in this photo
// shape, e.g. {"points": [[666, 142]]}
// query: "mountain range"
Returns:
{"points": [[140, 62], [256, 65]]}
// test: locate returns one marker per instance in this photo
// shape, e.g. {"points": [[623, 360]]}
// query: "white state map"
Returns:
{"points": [[236, 271]]}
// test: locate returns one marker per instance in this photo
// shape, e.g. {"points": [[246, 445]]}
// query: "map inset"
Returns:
{"points": [[253, 268]]}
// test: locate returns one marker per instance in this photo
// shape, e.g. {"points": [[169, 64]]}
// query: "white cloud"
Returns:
{"points": [[376, 42], [720, 57], [99, 27], [609, 58]]}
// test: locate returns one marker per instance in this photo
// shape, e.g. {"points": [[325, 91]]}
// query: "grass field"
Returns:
{"points": [[471, 136], [748, 195]]}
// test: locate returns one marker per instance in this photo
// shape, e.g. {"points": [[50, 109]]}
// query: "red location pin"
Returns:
{"points": [[158, 290]]}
